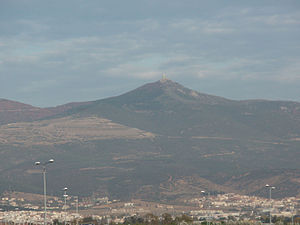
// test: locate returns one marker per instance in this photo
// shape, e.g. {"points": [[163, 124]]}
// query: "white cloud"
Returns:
{"points": [[201, 26], [278, 19]]}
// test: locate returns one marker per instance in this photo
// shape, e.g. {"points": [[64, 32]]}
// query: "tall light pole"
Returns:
{"points": [[293, 217], [65, 206], [77, 200], [203, 192], [45, 189], [270, 197]]}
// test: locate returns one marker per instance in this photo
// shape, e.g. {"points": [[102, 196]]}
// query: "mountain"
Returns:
{"points": [[161, 142], [12, 111], [167, 108]]}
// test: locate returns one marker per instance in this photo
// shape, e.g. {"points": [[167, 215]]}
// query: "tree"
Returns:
{"points": [[134, 220], [186, 218], [167, 218], [151, 219], [89, 219], [56, 222]]}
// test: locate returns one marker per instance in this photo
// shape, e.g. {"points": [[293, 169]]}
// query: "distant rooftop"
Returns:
{"points": [[164, 78]]}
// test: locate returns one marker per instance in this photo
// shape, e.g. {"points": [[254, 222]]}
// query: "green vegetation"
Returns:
{"points": [[167, 219]]}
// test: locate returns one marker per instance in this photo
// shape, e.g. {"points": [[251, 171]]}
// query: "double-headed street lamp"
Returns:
{"points": [[270, 196], [65, 206], [44, 178]]}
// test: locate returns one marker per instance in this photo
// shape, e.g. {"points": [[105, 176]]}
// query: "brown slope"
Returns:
{"points": [[65, 130], [12, 111], [285, 181], [8, 105]]}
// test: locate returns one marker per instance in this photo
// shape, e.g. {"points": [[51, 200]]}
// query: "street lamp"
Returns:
{"points": [[270, 196], [65, 206], [44, 178], [293, 214], [203, 192]]}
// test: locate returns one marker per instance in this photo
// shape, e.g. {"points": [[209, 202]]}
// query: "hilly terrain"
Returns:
{"points": [[160, 142], [167, 108], [12, 111]]}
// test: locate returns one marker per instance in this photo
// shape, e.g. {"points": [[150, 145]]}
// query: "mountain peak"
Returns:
{"points": [[166, 82], [165, 91]]}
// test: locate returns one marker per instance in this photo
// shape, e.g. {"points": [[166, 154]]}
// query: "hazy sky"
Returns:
{"points": [[59, 51]]}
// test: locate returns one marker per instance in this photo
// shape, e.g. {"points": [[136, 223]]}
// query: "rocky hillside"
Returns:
{"points": [[160, 142]]}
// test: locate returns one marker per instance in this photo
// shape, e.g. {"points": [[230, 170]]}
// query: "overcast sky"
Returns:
{"points": [[60, 51]]}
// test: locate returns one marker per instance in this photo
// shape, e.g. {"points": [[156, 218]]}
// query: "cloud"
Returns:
{"points": [[278, 19], [201, 26], [91, 42], [290, 72], [36, 86], [146, 68], [32, 26]]}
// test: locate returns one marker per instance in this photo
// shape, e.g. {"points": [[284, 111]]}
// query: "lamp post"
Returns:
{"points": [[293, 214], [203, 192], [270, 197], [65, 206], [77, 200], [292, 218], [45, 189]]}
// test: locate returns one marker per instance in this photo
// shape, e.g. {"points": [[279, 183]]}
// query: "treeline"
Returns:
{"points": [[167, 219], [148, 219]]}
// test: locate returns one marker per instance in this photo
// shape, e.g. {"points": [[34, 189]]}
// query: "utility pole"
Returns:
{"points": [[270, 197], [45, 189], [65, 205], [77, 210]]}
